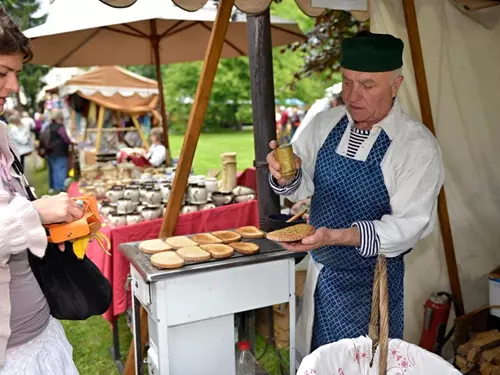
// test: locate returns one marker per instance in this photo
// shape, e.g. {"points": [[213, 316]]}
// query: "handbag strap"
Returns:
{"points": [[18, 168], [379, 320]]}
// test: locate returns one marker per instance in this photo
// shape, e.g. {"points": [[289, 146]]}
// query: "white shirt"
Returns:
{"points": [[157, 155], [319, 105], [412, 169]]}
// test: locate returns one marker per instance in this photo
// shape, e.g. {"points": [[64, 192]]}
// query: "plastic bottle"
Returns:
{"points": [[245, 362]]}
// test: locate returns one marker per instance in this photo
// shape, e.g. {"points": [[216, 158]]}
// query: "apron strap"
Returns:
{"points": [[379, 321]]}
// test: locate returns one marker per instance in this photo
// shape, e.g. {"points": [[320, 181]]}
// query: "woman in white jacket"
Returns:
{"points": [[31, 341]]}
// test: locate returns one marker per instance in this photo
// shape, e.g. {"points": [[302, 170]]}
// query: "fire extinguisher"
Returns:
{"points": [[436, 314]]}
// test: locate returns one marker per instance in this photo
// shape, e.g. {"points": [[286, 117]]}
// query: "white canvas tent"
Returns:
{"points": [[461, 61]]}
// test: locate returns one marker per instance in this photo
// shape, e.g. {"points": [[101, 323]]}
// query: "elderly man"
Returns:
{"points": [[374, 175]]}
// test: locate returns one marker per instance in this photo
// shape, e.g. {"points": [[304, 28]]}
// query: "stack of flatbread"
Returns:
{"points": [[175, 251]]}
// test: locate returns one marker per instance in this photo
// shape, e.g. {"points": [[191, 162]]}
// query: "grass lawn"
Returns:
{"points": [[92, 338], [212, 145]]}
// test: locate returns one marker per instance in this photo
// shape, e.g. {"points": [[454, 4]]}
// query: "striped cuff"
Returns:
{"points": [[370, 242], [288, 189]]}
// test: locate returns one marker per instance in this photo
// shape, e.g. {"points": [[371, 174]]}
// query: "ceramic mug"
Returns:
{"points": [[189, 208], [150, 213], [244, 198], [118, 219], [207, 206], [114, 195], [197, 194], [133, 219]]}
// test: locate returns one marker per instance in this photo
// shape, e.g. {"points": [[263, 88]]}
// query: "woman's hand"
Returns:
{"points": [[58, 209]]}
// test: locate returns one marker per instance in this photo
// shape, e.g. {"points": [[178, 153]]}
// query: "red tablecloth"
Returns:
{"points": [[139, 161], [116, 267]]}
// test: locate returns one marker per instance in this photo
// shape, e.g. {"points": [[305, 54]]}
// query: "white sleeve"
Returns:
{"points": [[158, 156], [413, 206]]}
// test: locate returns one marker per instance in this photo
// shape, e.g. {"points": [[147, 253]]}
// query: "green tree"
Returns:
{"points": [[23, 12]]}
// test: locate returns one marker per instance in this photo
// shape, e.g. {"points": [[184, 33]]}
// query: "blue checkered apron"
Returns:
{"points": [[349, 190]]}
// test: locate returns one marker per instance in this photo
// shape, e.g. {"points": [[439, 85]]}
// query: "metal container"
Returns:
{"points": [[284, 155]]}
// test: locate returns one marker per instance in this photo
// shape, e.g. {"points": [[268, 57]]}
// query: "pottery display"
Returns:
{"points": [[118, 219], [115, 194], [242, 190], [133, 218], [229, 172], [189, 208], [151, 213], [165, 192], [100, 190], [206, 206]]}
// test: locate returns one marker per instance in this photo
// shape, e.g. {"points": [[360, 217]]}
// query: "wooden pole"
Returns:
{"points": [[100, 122], [195, 123], [139, 130], [263, 108], [155, 42], [212, 57], [426, 110]]}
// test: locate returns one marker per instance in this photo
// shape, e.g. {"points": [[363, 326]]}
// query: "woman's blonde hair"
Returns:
{"points": [[12, 40]]}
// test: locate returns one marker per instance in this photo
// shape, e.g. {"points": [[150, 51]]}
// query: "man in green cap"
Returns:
{"points": [[374, 175]]}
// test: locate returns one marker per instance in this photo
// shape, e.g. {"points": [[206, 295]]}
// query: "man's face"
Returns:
{"points": [[368, 96], [10, 65]]}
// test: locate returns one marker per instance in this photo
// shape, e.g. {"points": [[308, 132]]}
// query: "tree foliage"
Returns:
{"points": [[321, 50], [23, 12]]}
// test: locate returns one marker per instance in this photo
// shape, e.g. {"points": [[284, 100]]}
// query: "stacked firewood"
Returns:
{"points": [[481, 355]]}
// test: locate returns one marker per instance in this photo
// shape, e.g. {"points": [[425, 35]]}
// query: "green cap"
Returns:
{"points": [[369, 52]]}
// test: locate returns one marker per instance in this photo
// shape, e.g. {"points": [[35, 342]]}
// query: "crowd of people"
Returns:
{"points": [[41, 138]]}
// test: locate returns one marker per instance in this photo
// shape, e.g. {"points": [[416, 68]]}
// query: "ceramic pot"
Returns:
{"points": [[197, 194], [107, 210], [132, 193], [124, 206], [242, 190], [165, 192], [116, 193], [207, 206], [140, 207], [220, 198], [100, 191], [153, 197], [118, 219], [133, 219], [211, 184], [244, 198], [150, 213], [189, 208]]}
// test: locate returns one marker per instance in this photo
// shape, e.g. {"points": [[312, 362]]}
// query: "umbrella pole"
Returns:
{"points": [[155, 42], [212, 57], [426, 111]]}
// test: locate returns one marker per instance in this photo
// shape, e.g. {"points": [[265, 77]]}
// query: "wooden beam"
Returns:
{"points": [[155, 43], [426, 110], [212, 57], [145, 142], [263, 108], [195, 123], [100, 122]]}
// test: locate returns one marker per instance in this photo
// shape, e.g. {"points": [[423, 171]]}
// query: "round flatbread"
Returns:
{"points": [[180, 241], [247, 248], [193, 254], [250, 232], [166, 260], [205, 239], [227, 236], [291, 234], [219, 251], [153, 246]]}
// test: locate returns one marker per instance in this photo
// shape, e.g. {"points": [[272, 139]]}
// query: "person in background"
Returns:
{"points": [[28, 121], [31, 341], [132, 138], [39, 119], [157, 154], [57, 151], [21, 135]]}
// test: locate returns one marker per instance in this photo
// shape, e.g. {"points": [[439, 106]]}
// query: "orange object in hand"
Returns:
{"points": [[87, 225]]}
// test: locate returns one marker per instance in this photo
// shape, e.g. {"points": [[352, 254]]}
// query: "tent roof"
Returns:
{"points": [[115, 88]]}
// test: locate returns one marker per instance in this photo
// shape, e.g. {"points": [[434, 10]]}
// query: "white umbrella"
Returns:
{"points": [[87, 33]]}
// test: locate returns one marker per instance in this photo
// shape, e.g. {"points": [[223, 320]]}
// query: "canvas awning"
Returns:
{"points": [[115, 88]]}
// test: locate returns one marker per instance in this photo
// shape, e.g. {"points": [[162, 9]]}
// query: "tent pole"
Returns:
{"points": [[100, 122], [264, 129], [426, 111], [210, 64], [155, 42], [139, 130]]}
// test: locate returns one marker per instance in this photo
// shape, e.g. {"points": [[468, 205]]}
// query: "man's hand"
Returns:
{"points": [[325, 237], [274, 165]]}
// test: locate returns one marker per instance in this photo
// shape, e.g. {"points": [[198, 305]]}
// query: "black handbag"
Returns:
{"points": [[75, 289]]}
